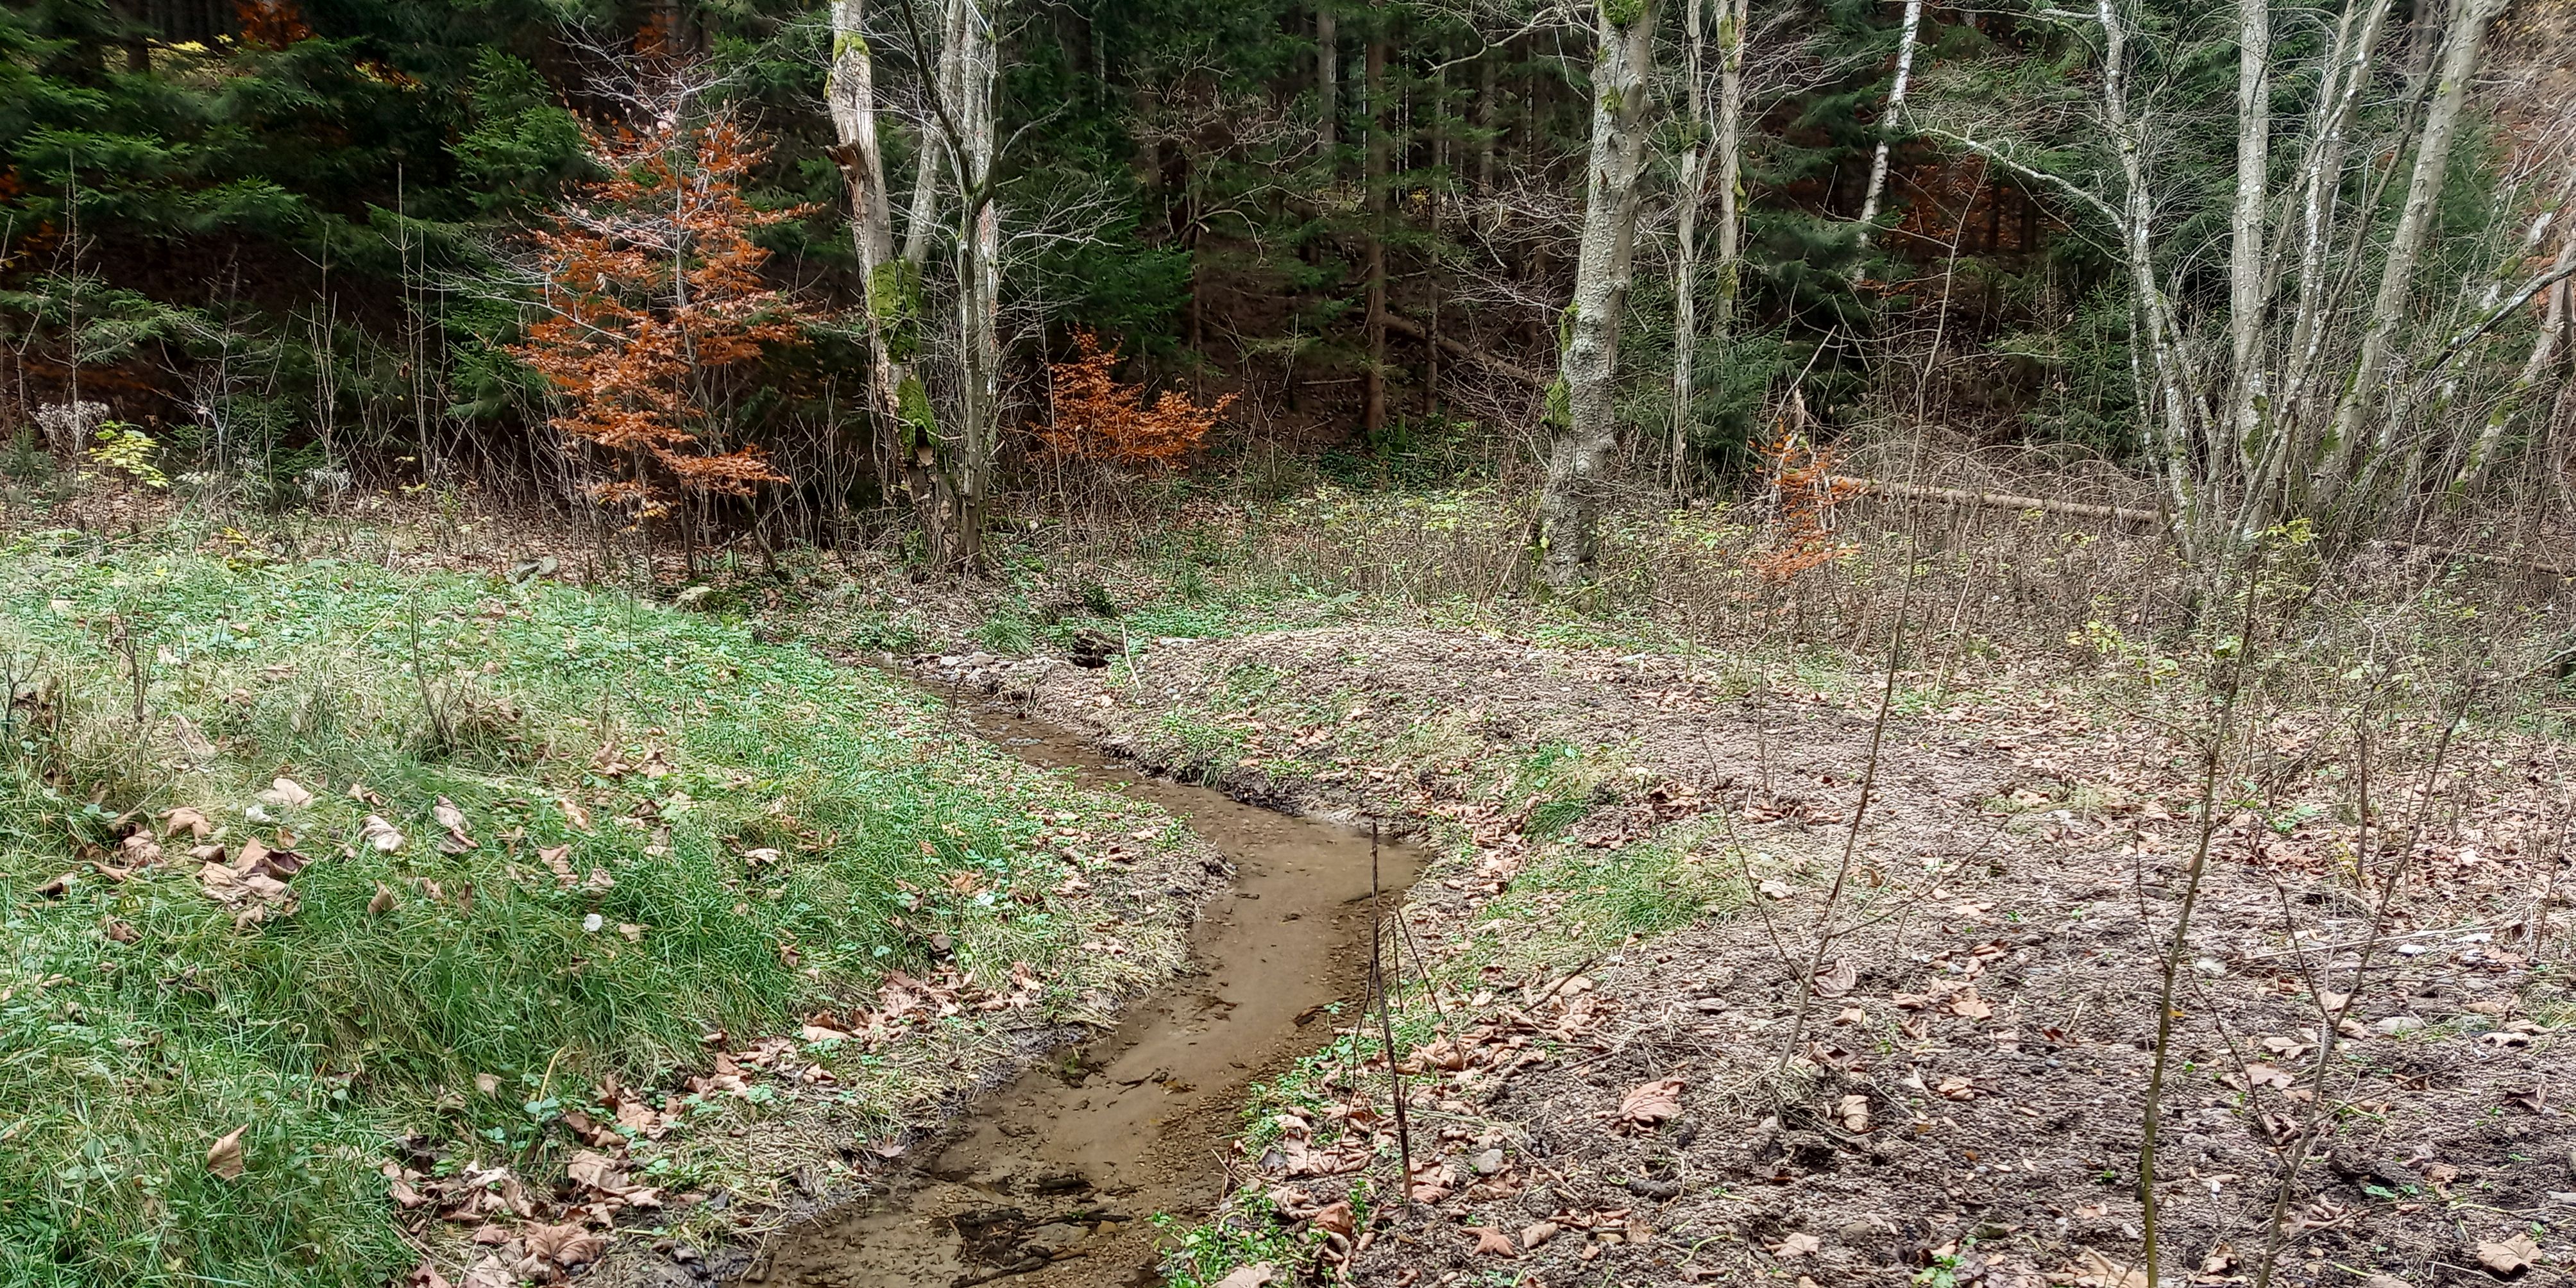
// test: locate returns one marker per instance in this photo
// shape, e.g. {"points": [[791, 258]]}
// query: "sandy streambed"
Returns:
{"points": [[1052, 1178]]}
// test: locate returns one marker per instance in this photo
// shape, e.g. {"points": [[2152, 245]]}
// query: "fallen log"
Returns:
{"points": [[2143, 518], [1412, 330], [1994, 500]]}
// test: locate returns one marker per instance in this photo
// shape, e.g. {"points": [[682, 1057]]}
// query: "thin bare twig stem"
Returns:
{"points": [[1386, 1027], [2180, 945], [2338, 1014], [1825, 933]]}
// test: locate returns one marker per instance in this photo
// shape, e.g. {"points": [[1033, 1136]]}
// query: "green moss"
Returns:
{"points": [[912, 407], [894, 303]]}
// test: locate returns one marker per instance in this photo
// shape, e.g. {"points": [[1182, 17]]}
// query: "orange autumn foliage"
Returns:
{"points": [[1809, 489], [272, 23], [654, 292], [1099, 419]]}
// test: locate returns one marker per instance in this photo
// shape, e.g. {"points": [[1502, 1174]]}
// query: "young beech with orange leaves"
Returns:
{"points": [[1809, 490], [1098, 419], [656, 313]]}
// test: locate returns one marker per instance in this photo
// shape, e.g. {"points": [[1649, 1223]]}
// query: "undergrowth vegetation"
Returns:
{"points": [[520, 839]]}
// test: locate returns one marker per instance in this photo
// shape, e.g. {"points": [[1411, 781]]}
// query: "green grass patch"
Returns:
{"points": [[665, 752], [1572, 898]]}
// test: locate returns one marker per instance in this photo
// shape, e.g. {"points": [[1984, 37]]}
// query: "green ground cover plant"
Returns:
{"points": [[521, 838]]}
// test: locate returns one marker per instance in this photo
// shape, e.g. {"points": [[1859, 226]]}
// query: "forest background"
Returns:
{"points": [[824, 274]]}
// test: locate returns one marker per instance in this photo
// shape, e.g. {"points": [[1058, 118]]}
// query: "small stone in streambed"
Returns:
{"points": [[1053, 1238]]}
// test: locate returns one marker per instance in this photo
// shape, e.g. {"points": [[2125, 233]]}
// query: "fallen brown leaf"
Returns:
{"points": [[2265, 1075], [286, 793], [2098, 1271], [1854, 1112], [1652, 1102], [1491, 1242], [224, 1158], [1798, 1245], [565, 1245], [2511, 1256], [1251, 1276], [1334, 1218]]}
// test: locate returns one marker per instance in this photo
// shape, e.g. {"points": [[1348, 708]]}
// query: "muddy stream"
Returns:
{"points": [[1052, 1180]]}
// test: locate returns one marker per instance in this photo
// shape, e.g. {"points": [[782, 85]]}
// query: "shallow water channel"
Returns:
{"points": [[1053, 1178]]}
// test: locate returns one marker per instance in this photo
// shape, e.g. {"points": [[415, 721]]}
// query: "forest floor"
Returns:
{"points": [[1638, 839], [1610, 1076], [1634, 855]]}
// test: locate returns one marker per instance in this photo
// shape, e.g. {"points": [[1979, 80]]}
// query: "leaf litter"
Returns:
{"points": [[1991, 1013]]}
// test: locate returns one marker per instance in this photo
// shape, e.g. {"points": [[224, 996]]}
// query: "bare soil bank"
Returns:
{"points": [[1964, 1103]]}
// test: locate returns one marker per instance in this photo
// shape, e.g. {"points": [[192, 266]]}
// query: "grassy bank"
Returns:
{"points": [[541, 866]]}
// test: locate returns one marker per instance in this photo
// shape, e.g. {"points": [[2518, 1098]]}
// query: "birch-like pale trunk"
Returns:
{"points": [[2544, 350], [1729, 157], [2169, 424], [1584, 403], [2369, 388], [1896, 109], [892, 300], [2246, 296], [2315, 187], [1691, 183], [979, 387], [1328, 77]]}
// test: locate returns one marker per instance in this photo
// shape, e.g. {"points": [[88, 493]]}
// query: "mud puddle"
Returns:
{"points": [[1053, 1179]]}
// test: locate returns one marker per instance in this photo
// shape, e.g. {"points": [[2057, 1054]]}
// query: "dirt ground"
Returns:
{"points": [[1960, 1101]]}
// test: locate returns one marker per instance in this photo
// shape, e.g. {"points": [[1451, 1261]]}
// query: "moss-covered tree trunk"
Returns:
{"points": [[1583, 407]]}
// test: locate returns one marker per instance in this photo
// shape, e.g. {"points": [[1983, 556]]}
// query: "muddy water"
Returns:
{"points": [[1051, 1180]]}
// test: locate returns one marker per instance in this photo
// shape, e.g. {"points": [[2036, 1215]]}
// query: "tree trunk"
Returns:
{"points": [[897, 405], [1487, 123], [1435, 196], [2369, 383], [1584, 405], [1373, 263], [1729, 155], [2314, 188], [1896, 108], [2544, 351], [2246, 293], [979, 393], [1691, 183], [1328, 77]]}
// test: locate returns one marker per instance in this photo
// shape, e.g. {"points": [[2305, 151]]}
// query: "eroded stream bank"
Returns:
{"points": [[1053, 1179]]}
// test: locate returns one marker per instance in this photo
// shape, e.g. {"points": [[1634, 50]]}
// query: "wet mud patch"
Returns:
{"points": [[1055, 1177]]}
